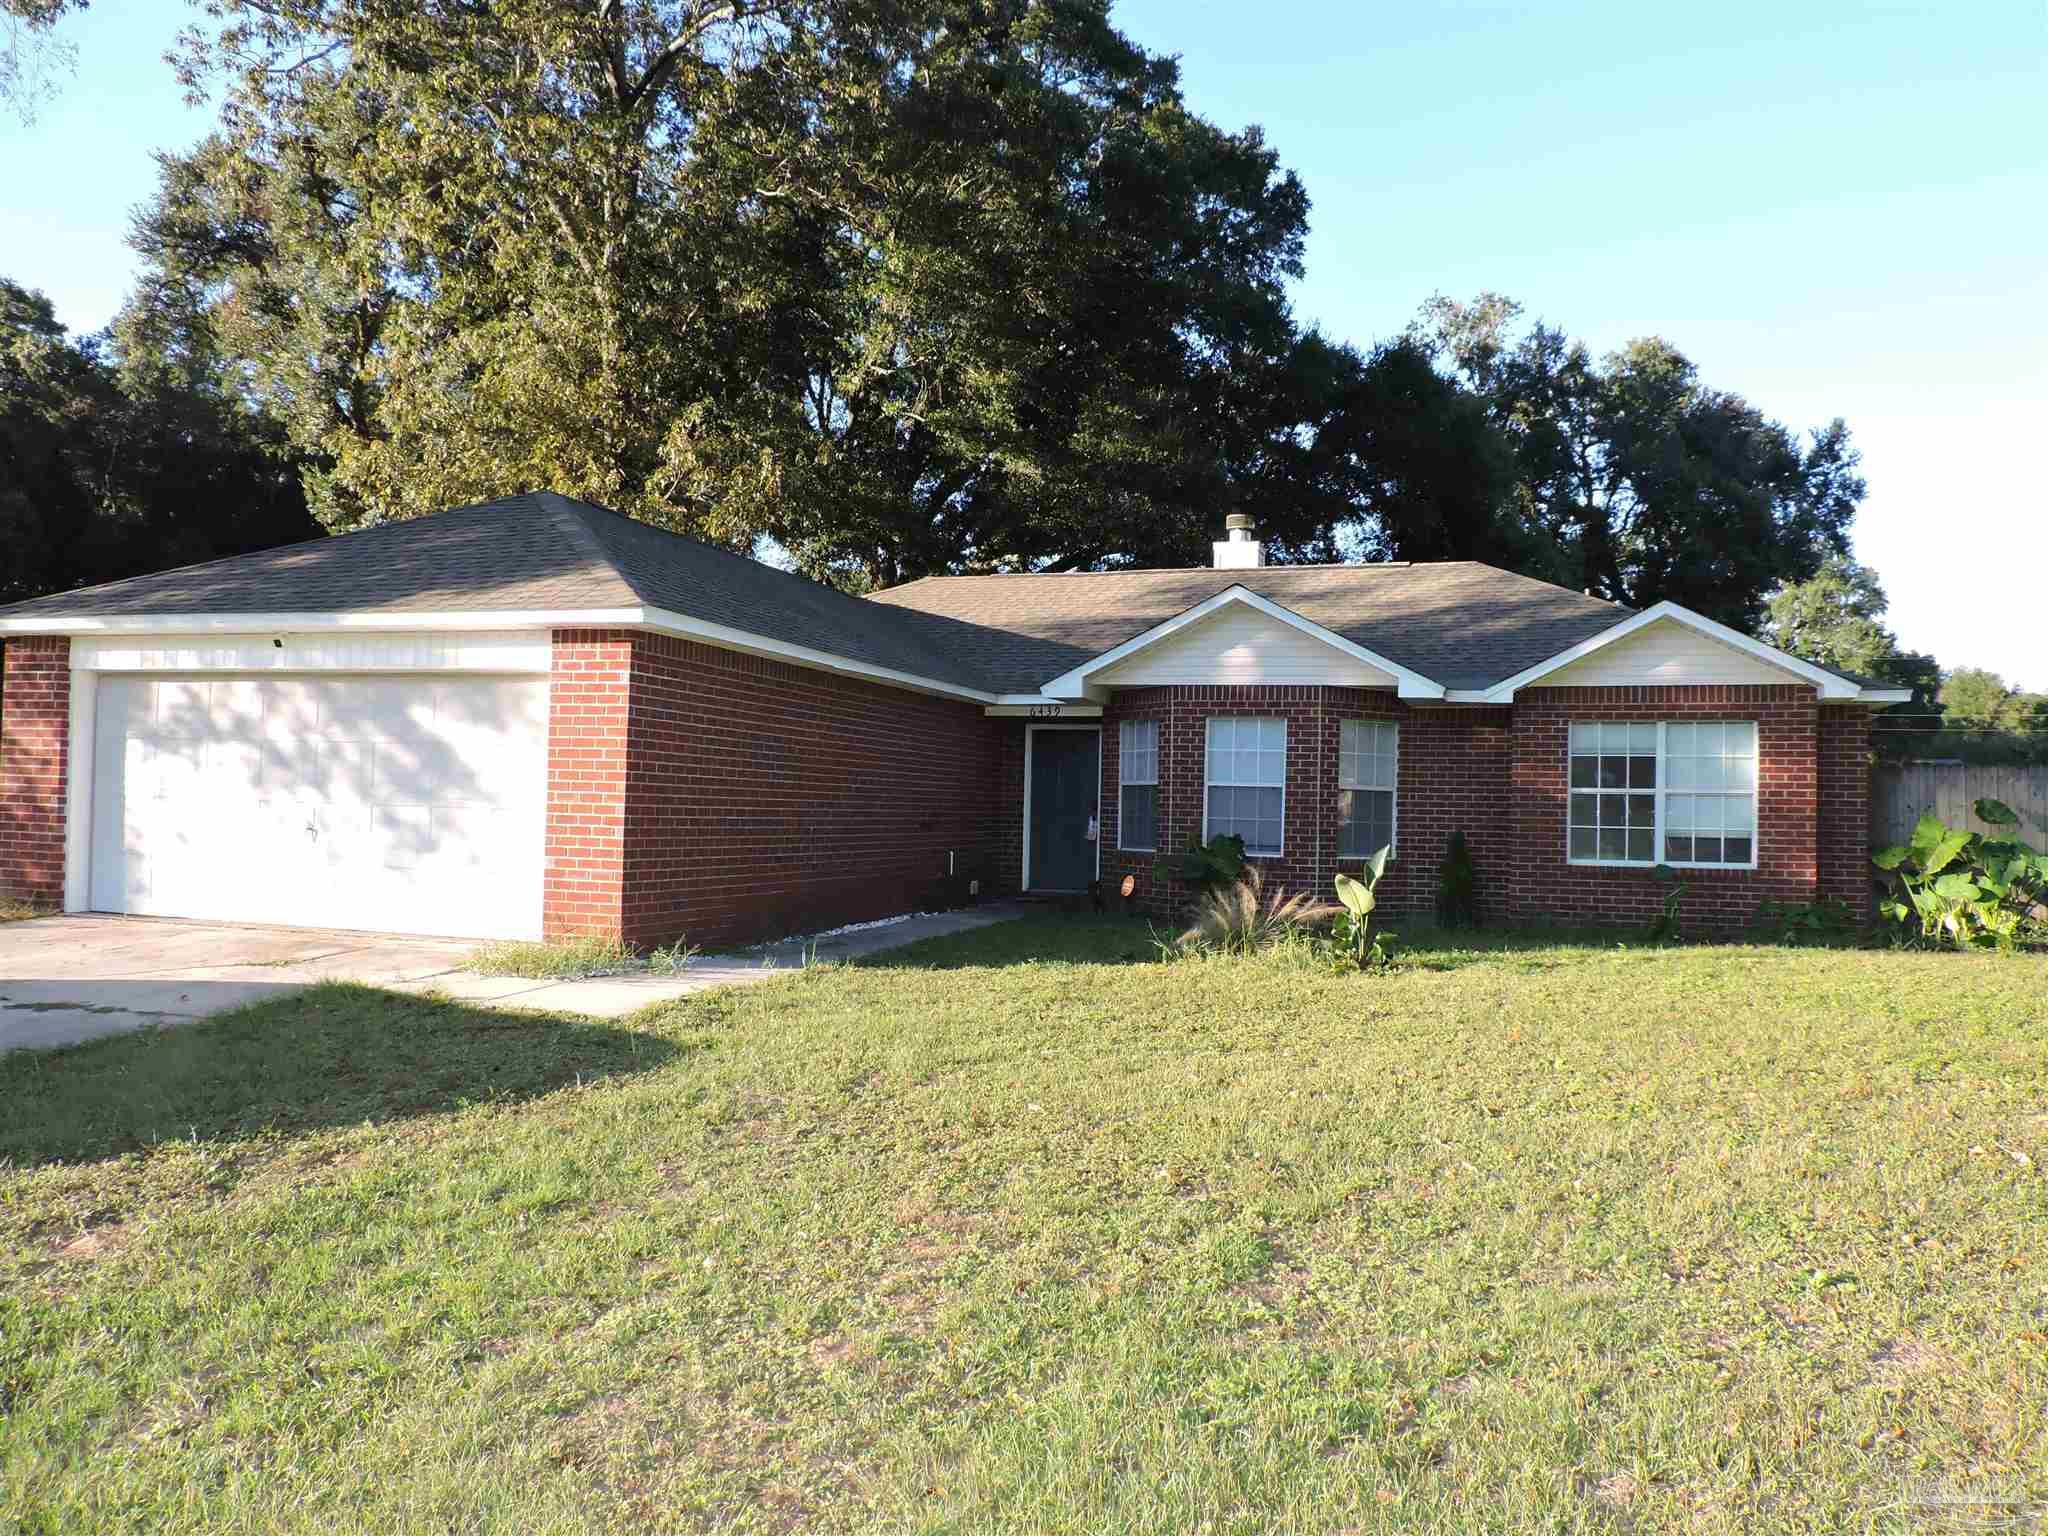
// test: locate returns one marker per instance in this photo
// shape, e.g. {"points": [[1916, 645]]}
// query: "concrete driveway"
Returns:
{"points": [[73, 978], [68, 979]]}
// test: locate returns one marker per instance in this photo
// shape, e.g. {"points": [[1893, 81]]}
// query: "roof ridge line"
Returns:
{"points": [[563, 510]]}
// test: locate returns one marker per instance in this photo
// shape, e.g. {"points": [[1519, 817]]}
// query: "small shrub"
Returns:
{"points": [[1457, 882], [1663, 928], [1240, 918], [1210, 867], [1806, 924], [12, 911], [560, 960]]}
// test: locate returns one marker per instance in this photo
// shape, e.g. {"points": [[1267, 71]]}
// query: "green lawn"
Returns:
{"points": [[1023, 1231]]}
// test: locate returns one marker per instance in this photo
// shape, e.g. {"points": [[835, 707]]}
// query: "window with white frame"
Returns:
{"points": [[1368, 761], [1680, 793], [1247, 782], [1137, 821]]}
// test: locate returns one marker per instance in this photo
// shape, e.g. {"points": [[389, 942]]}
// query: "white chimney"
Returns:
{"points": [[1237, 550]]}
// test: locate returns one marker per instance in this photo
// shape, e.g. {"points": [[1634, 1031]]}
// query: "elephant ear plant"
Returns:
{"points": [[1963, 890], [1358, 946]]}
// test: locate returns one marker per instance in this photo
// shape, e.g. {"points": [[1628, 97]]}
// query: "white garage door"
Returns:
{"points": [[410, 805]]}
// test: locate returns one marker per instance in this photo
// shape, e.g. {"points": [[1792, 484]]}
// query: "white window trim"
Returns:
{"points": [[1208, 783], [1394, 820], [1123, 782], [1756, 832]]}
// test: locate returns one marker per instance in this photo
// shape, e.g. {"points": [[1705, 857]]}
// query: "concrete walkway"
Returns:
{"points": [[611, 997], [68, 979]]}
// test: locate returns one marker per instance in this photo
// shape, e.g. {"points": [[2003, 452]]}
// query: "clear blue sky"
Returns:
{"points": [[1835, 209]]}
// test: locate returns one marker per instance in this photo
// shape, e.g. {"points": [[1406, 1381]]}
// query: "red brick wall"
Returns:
{"points": [[588, 689], [725, 797], [722, 798], [1453, 776], [1499, 775], [1545, 886], [35, 730], [1845, 761]]}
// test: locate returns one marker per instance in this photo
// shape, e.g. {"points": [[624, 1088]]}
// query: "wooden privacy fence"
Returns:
{"points": [[1901, 793]]}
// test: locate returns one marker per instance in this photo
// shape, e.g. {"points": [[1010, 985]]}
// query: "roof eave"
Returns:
{"points": [[657, 620]]}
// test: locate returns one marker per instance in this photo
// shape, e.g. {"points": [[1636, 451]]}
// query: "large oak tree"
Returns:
{"points": [[908, 286]]}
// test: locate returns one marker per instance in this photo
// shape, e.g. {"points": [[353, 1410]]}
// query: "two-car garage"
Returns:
{"points": [[403, 801]]}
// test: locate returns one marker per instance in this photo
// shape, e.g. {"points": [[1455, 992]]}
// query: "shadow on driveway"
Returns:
{"points": [[333, 1055]]}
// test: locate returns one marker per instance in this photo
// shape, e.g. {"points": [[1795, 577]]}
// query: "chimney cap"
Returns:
{"points": [[1243, 520]]}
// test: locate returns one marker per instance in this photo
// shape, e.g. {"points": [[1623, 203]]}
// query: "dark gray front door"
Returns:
{"points": [[1064, 782]]}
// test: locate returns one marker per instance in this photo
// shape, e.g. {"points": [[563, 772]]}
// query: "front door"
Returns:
{"points": [[1065, 780]]}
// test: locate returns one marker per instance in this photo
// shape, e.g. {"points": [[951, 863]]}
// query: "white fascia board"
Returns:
{"points": [[1831, 686], [1075, 684], [276, 623], [660, 620]]}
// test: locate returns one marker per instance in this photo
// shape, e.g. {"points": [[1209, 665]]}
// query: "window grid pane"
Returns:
{"points": [[1248, 752], [1706, 781], [1247, 779], [1365, 822], [1138, 818], [1138, 752], [1368, 754], [1710, 809]]}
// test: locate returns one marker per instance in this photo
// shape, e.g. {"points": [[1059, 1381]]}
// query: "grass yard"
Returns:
{"points": [[1023, 1231]]}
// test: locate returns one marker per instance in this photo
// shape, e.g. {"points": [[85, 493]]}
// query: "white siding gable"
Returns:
{"points": [[1239, 644], [1665, 653]]}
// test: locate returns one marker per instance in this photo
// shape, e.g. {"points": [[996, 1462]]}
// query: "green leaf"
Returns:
{"points": [[1889, 858], [1945, 852], [1957, 888], [1358, 900], [1927, 832], [1996, 812], [1378, 864]]}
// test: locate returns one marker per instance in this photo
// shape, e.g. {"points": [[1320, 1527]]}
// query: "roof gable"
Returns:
{"points": [[1648, 641], [1238, 643], [1240, 621], [1667, 653]]}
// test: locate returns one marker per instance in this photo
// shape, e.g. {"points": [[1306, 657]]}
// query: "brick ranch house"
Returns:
{"points": [[537, 718]]}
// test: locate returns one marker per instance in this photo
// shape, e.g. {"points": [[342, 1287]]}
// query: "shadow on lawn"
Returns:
{"points": [[334, 1055]]}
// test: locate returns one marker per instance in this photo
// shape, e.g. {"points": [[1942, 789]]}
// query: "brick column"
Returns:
{"points": [[35, 733], [1845, 869], [589, 685]]}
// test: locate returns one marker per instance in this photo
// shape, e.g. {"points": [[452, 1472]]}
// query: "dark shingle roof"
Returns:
{"points": [[1463, 624], [533, 552]]}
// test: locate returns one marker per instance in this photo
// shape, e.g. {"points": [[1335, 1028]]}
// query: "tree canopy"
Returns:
{"points": [[907, 286], [114, 462], [1640, 483]]}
